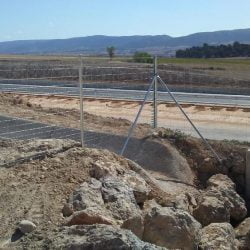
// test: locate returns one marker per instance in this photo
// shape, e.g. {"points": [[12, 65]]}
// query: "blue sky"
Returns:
{"points": [[43, 19]]}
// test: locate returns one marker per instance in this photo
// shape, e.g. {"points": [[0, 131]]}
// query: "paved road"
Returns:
{"points": [[194, 98]]}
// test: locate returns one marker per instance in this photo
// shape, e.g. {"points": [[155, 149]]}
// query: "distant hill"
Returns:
{"points": [[162, 44]]}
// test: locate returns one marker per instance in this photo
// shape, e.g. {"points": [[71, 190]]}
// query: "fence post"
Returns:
{"points": [[247, 175], [155, 100], [81, 102]]}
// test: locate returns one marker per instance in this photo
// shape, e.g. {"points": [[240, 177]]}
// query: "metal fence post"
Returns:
{"points": [[247, 174], [81, 102], [155, 100]]}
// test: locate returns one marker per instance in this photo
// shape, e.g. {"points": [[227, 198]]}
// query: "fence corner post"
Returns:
{"points": [[155, 100]]}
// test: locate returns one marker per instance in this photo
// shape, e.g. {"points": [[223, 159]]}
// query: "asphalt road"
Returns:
{"points": [[121, 94]]}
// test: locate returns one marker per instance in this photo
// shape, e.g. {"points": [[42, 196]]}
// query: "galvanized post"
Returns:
{"points": [[81, 102], [155, 100], [247, 174]]}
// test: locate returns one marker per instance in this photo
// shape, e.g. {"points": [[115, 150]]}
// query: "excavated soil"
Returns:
{"points": [[37, 189]]}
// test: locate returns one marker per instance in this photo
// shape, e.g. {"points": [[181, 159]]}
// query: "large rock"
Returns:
{"points": [[88, 195], [134, 180], [106, 201], [227, 188], [218, 236], [172, 228], [187, 201], [212, 208], [120, 201], [100, 169], [119, 198], [139, 186], [98, 237], [134, 224], [89, 217], [243, 234], [220, 202]]}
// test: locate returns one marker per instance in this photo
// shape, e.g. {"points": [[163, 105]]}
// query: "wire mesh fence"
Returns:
{"points": [[41, 100]]}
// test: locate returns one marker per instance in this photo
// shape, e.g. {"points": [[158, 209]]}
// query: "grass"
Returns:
{"points": [[65, 58], [236, 69], [232, 68], [199, 61]]}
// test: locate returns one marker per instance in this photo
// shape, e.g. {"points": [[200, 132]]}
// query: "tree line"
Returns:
{"points": [[208, 51], [139, 57]]}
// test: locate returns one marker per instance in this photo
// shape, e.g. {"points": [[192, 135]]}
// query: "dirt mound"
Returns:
{"points": [[38, 189], [161, 159], [202, 161], [99, 191]]}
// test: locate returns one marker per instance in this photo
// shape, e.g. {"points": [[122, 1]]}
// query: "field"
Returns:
{"points": [[229, 76], [211, 62]]}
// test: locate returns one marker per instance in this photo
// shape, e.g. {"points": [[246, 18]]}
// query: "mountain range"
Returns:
{"points": [[160, 44]]}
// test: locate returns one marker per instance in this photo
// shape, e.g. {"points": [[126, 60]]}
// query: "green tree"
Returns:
{"points": [[142, 57], [111, 52], [208, 51]]}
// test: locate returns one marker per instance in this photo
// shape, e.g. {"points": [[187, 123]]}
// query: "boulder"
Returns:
{"points": [[89, 217], [98, 237], [227, 188], [219, 202], [186, 201], [140, 188], [243, 234], [218, 236], [212, 208], [100, 169], [106, 201], [171, 228], [88, 195], [119, 198], [135, 224], [220, 181], [26, 226], [134, 180]]}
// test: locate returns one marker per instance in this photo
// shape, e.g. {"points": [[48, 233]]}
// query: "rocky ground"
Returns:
{"points": [[56, 195]]}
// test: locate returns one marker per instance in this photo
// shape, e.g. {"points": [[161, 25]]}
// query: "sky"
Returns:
{"points": [[48, 19]]}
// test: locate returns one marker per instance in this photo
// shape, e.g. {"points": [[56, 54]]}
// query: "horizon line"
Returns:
{"points": [[85, 36]]}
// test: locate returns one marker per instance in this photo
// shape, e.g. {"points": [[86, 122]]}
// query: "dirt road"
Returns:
{"points": [[214, 122]]}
